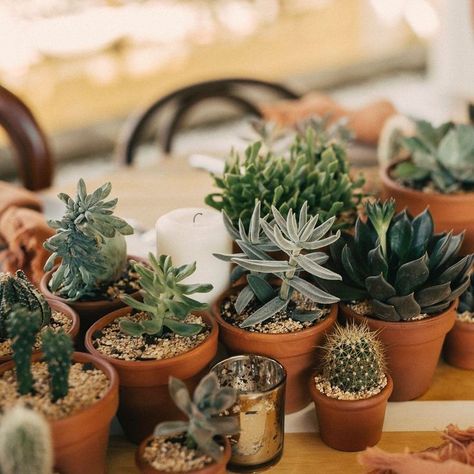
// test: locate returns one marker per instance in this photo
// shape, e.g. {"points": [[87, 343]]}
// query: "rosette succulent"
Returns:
{"points": [[466, 300]]}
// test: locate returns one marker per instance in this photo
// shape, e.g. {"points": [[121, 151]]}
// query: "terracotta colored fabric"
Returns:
{"points": [[11, 195], [366, 122]]}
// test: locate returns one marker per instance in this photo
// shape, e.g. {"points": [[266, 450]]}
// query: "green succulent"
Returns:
{"points": [[397, 263], [442, 156], [165, 299], [466, 300], [89, 241], [203, 410]]}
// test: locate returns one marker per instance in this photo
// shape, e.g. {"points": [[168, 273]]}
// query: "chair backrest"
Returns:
{"points": [[28, 140], [181, 101]]}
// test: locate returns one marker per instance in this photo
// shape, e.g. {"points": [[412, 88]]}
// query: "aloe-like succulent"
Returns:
{"points": [[397, 263], [466, 300], [202, 411], [442, 156], [89, 241], [166, 300]]}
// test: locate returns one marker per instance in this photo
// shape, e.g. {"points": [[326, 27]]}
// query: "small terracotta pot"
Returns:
{"points": [[80, 440], [298, 351], [144, 396], [412, 349], [89, 311], [459, 347], [214, 468], [449, 211], [350, 425]]}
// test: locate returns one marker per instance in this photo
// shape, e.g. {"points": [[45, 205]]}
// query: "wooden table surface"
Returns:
{"points": [[145, 194]]}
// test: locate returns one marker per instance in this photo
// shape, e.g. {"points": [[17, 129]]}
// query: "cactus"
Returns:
{"points": [[354, 359], [166, 300], [23, 326], [202, 411], [90, 242], [17, 290], [58, 348], [25, 443], [466, 300]]}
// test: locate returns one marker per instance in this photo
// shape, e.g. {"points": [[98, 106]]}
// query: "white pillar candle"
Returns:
{"points": [[194, 234]]}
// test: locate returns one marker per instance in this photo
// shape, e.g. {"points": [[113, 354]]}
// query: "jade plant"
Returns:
{"points": [[166, 299], [89, 242], [442, 156], [399, 265], [202, 411], [466, 300], [16, 290]]}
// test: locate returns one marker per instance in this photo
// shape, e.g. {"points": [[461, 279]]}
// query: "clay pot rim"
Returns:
{"points": [[146, 364], [385, 176], [287, 337], [463, 326]]}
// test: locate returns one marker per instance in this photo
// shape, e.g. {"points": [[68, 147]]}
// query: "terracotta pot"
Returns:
{"points": [[297, 351], [412, 349], [80, 440], [144, 397], [89, 311], [459, 347], [350, 425], [65, 309], [214, 468], [449, 211]]}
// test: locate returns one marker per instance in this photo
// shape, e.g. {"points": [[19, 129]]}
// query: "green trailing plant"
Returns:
{"points": [[166, 299], [466, 300], [16, 290], [202, 411], [397, 263], [58, 348], [442, 156], [354, 359], [23, 326], [316, 172], [25, 443], [89, 241]]}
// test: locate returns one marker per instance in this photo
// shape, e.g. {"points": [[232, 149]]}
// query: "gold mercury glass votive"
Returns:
{"points": [[260, 406]]}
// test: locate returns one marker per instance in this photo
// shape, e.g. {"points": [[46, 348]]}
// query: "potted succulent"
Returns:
{"points": [[18, 290], [402, 280], [435, 168], [196, 446], [459, 349], [93, 269], [167, 334], [278, 313], [351, 389], [77, 393]]}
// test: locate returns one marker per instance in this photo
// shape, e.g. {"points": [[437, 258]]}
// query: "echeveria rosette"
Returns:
{"points": [[397, 263], [466, 300], [203, 410]]}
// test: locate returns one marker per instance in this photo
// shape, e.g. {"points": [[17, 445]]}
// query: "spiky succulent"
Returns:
{"points": [[298, 239], [203, 410], [165, 300], [442, 156], [89, 241], [353, 360], [397, 263], [16, 290], [466, 300], [316, 172]]}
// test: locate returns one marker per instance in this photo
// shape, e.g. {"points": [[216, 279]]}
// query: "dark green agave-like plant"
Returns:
{"points": [[165, 299], [466, 301], [203, 410], [399, 264], [89, 241]]}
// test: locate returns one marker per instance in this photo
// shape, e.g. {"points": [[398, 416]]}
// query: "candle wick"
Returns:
{"points": [[195, 215]]}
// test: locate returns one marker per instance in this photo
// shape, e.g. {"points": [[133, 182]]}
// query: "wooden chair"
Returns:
{"points": [[28, 140], [179, 103]]}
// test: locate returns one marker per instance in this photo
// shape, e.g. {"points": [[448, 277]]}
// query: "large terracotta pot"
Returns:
{"points": [[214, 468], [450, 211], [350, 425], [412, 349], [144, 396], [65, 309], [89, 311], [80, 440], [298, 352], [459, 347]]}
